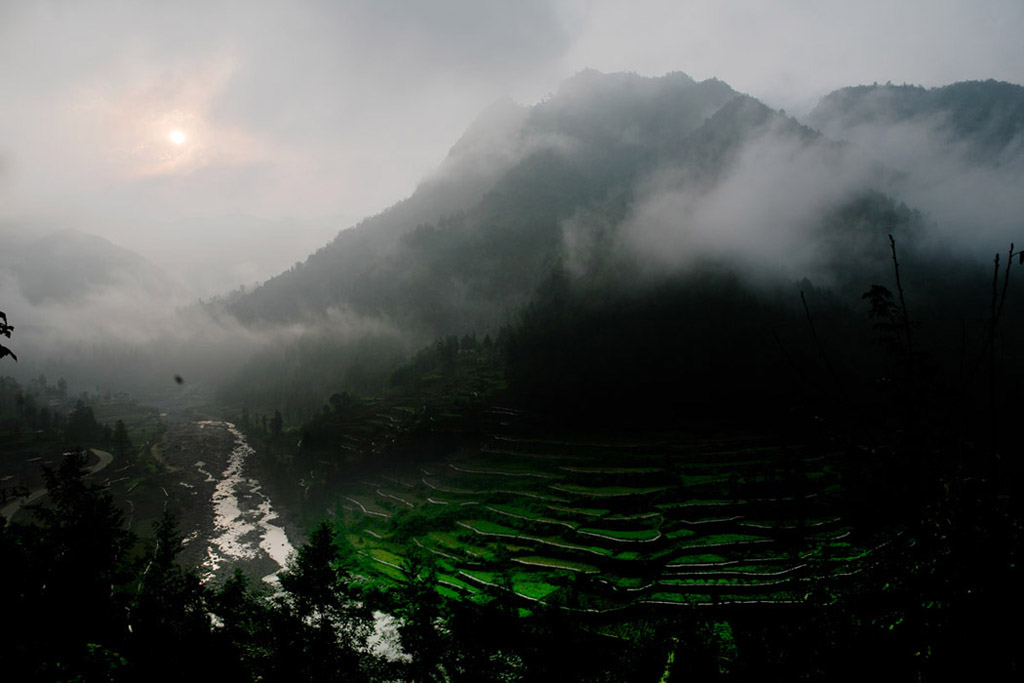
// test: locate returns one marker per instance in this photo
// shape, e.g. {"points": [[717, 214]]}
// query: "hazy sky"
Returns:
{"points": [[318, 113]]}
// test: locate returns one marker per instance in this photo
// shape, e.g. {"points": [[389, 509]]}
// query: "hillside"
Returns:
{"points": [[621, 172], [68, 266], [630, 187], [471, 243], [985, 116]]}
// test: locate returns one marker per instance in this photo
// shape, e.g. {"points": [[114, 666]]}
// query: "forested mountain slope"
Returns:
{"points": [[986, 116], [643, 194], [474, 239]]}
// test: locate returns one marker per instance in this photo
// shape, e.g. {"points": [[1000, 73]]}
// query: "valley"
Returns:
{"points": [[649, 381]]}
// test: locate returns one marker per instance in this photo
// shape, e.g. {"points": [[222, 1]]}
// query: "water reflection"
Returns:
{"points": [[242, 514]]}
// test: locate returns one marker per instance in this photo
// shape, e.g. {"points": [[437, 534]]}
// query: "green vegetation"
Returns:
{"points": [[623, 535], [710, 472], [630, 546]]}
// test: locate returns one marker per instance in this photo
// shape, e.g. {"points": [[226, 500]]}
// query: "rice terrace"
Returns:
{"points": [[595, 528]]}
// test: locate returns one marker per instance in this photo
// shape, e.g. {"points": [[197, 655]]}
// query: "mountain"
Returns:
{"points": [[959, 150], [474, 240], [66, 267], [605, 212], [985, 117], [528, 188]]}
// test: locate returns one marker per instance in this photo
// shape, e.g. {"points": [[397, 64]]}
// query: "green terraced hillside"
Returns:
{"points": [[599, 527]]}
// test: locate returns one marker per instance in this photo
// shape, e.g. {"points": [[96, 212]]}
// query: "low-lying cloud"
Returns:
{"points": [[120, 339], [971, 194], [764, 213]]}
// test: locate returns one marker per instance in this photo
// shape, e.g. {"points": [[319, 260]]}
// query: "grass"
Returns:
{"points": [[368, 505], [528, 515], [733, 581], [515, 511], [403, 498], [645, 535], [386, 556], [452, 580], [381, 567], [535, 590], [681, 532], [611, 470], [639, 517], [705, 558], [607, 491], [489, 520], [506, 469], [481, 577], [486, 528], [458, 547], [579, 512], [556, 563], [722, 539]]}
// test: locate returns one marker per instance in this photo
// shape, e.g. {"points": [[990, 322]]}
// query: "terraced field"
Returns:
{"points": [[600, 527]]}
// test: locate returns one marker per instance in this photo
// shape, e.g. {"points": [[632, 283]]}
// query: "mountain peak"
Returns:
{"points": [[986, 115], [501, 118]]}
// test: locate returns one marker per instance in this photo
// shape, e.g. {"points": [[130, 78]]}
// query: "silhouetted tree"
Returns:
{"points": [[5, 331], [169, 614], [325, 631], [77, 585], [420, 609], [120, 439]]}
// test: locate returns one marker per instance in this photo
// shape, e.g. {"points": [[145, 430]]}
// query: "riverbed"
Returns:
{"points": [[229, 521]]}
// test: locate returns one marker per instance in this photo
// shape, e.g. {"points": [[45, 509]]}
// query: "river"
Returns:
{"points": [[235, 524], [243, 530]]}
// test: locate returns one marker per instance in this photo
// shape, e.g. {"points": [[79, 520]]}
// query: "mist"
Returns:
{"points": [[314, 117], [764, 215], [223, 143], [114, 341], [968, 186]]}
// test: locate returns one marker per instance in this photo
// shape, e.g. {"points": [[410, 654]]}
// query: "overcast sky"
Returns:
{"points": [[318, 113]]}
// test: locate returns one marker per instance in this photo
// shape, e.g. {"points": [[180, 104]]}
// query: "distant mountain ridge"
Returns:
{"points": [[474, 241], [67, 266], [444, 258], [987, 115]]}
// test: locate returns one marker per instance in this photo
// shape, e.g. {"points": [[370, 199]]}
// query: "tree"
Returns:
{"points": [[82, 426], [121, 441], [420, 610], [321, 631], [244, 633], [311, 578], [169, 614], [5, 331], [77, 583]]}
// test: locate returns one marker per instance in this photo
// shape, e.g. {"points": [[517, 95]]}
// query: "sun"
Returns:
{"points": [[177, 137]]}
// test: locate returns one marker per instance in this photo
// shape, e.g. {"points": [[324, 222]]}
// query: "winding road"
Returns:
{"points": [[12, 508]]}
